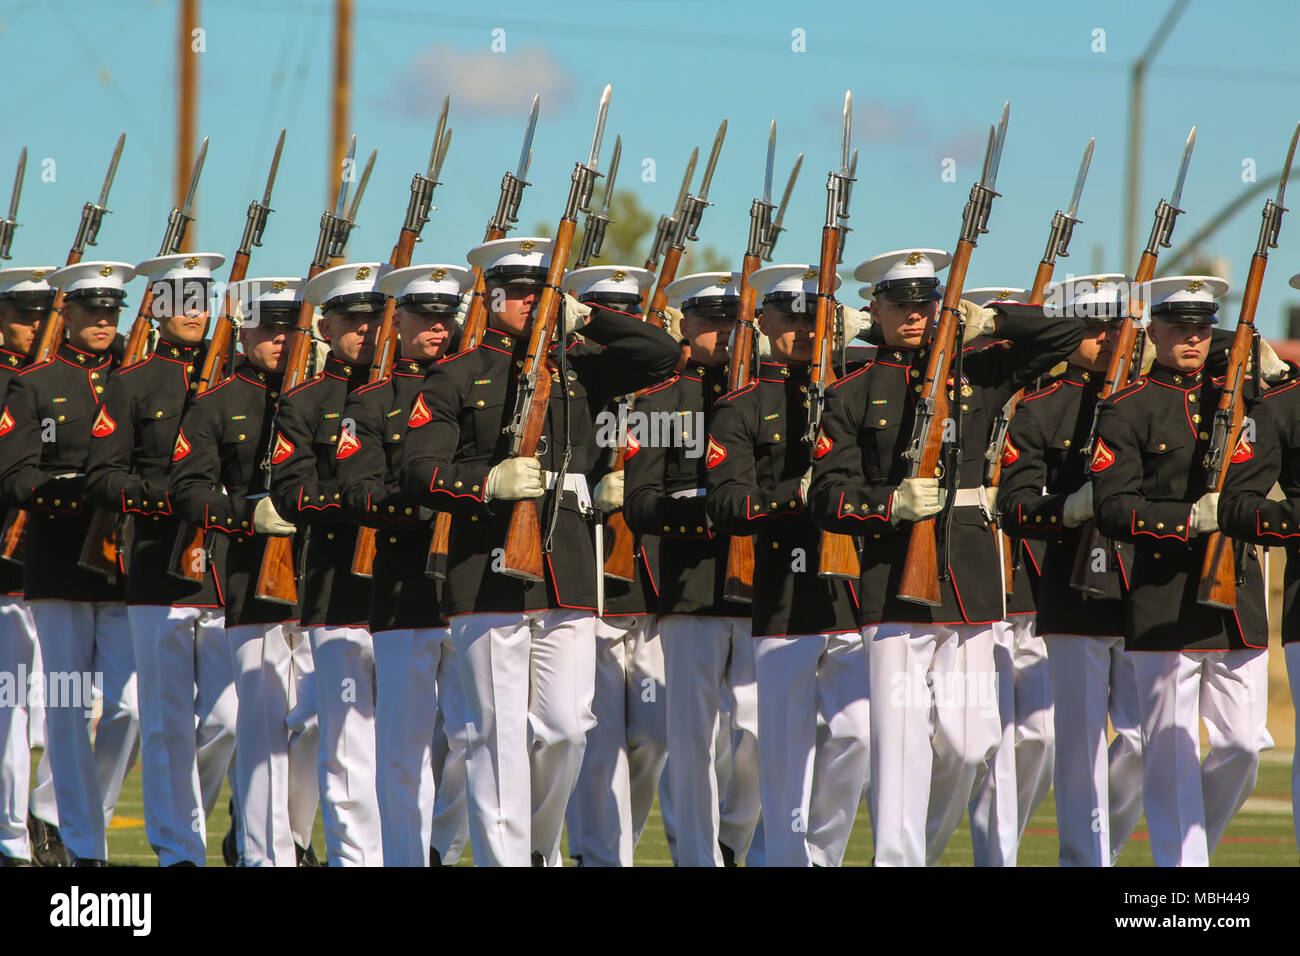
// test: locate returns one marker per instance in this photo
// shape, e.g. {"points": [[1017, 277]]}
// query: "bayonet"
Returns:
{"points": [[1273, 208], [179, 219], [270, 176], [1281, 186], [194, 179], [593, 162], [442, 156], [686, 184], [593, 233], [1079, 180], [712, 166], [9, 224], [771, 160], [361, 187], [526, 153], [110, 175], [1000, 142], [1177, 195], [345, 177], [438, 130], [785, 197], [988, 155], [847, 132], [255, 222]]}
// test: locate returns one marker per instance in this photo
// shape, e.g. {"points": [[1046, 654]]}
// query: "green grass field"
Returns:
{"points": [[1261, 834]]}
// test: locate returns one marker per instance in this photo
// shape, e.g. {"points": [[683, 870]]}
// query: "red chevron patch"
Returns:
{"points": [[282, 450], [104, 424], [348, 445], [1102, 457], [420, 414], [716, 454], [182, 446]]}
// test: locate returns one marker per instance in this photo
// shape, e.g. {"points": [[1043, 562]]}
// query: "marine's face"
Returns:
{"points": [[264, 346], [351, 335], [790, 334], [1181, 346], [425, 335], [511, 304], [707, 336], [1097, 347], [904, 324], [19, 326], [91, 328]]}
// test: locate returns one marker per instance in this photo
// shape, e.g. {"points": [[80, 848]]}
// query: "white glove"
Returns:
{"points": [[1272, 368], [673, 322], [916, 498], [991, 496], [575, 314], [979, 319], [764, 346], [1205, 515], [609, 493], [1148, 355], [1078, 506], [266, 520], [804, 484], [856, 322], [514, 479]]}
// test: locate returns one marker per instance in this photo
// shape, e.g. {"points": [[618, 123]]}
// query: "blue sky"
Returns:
{"points": [[927, 80]]}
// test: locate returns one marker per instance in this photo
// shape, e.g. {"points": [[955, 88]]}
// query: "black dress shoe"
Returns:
{"points": [[435, 858], [229, 848], [47, 844], [306, 856], [728, 854], [90, 862], [13, 861]]}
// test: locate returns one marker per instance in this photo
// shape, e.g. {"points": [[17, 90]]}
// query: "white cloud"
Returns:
{"points": [[480, 83]]}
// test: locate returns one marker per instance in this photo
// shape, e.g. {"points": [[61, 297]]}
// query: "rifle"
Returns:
{"points": [[1058, 244], [1218, 584], [1124, 366], [417, 214], [512, 191], [839, 553], [668, 226], [92, 216], [620, 563], [738, 585], [10, 222], [925, 566], [524, 546], [99, 549], [276, 579], [188, 557]]}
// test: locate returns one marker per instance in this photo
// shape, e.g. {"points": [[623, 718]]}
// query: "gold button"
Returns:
{"points": [[473, 517], [1203, 435], [917, 388], [1067, 443], [99, 389], [775, 545], [129, 501], [776, 436], [1191, 398], [333, 438], [480, 403], [875, 534], [1142, 524], [407, 510], [94, 376], [329, 535], [793, 503], [774, 504], [396, 437], [391, 509], [459, 484], [473, 487], [439, 482], [242, 437], [1180, 528], [965, 408], [683, 529], [61, 418], [336, 496], [848, 506], [1038, 518], [1265, 523], [803, 388], [275, 394], [1156, 555], [41, 501], [1160, 526], [57, 502], [1162, 446], [882, 421], [699, 529], [158, 414], [189, 368], [392, 540], [667, 528], [243, 524], [716, 388], [1053, 519]]}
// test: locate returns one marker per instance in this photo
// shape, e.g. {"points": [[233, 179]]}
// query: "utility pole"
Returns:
{"points": [[187, 62], [341, 98], [1133, 174]]}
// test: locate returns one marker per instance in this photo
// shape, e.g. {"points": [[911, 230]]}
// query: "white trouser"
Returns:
{"points": [[528, 680], [1189, 804], [934, 722], [994, 801], [627, 747], [709, 664], [420, 746], [813, 738], [1098, 790], [277, 743], [188, 702], [344, 659], [722, 743], [17, 659], [1292, 653], [84, 644], [1035, 720]]}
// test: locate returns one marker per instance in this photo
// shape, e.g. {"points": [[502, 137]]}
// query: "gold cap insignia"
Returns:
{"points": [[38, 274], [619, 275], [278, 285], [106, 271], [191, 262], [724, 280], [1004, 294], [913, 258], [1096, 284], [812, 273], [437, 275], [363, 273], [1195, 285], [527, 245]]}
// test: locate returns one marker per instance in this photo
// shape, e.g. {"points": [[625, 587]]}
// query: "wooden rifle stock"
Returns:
{"points": [[189, 553], [363, 552], [435, 565], [738, 584], [1218, 583], [921, 572], [523, 548]]}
